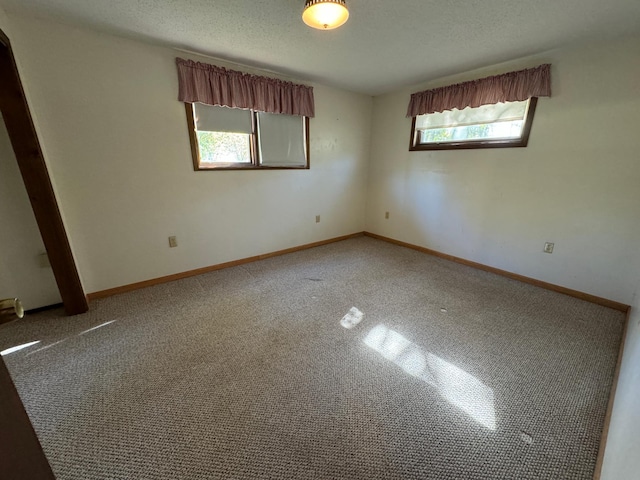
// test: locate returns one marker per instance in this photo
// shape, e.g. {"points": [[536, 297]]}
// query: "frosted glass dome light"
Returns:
{"points": [[325, 14]]}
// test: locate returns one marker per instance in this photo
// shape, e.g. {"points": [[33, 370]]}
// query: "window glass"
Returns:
{"points": [[233, 138], [224, 147], [281, 139], [221, 119], [500, 124]]}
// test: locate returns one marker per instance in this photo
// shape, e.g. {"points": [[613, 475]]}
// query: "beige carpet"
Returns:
{"points": [[356, 360]]}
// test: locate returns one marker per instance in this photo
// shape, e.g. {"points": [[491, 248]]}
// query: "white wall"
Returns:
{"points": [[23, 273], [575, 184], [116, 142], [621, 459], [4, 21]]}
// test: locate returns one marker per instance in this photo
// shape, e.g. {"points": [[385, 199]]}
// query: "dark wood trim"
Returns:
{"points": [[254, 148], [307, 151], [193, 138], [414, 146], [190, 273], [248, 167], [414, 134], [529, 120], [21, 455], [605, 302], [612, 395], [33, 168]]}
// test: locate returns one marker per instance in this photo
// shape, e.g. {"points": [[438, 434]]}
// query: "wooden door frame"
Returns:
{"points": [[21, 455], [22, 133]]}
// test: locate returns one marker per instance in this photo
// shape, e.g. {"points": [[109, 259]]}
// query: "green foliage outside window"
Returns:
{"points": [[224, 147]]}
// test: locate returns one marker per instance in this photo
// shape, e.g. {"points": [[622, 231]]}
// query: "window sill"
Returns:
{"points": [[248, 167], [468, 145]]}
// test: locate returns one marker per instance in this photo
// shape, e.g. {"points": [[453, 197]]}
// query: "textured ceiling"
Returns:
{"points": [[385, 44]]}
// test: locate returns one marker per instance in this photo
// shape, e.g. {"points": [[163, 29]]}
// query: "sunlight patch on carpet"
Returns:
{"points": [[17, 348], [96, 327], [352, 318], [458, 387]]}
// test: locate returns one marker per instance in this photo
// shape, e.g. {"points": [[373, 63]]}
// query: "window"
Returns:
{"points": [[489, 126], [234, 139]]}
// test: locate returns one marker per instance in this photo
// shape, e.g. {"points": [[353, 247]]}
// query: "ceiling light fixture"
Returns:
{"points": [[325, 14]]}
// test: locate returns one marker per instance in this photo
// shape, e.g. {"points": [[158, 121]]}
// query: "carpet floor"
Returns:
{"points": [[355, 360]]}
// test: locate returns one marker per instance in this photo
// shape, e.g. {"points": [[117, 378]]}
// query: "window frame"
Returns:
{"points": [[414, 146], [253, 147]]}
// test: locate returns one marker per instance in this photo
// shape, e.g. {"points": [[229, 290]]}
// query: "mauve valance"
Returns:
{"points": [[212, 85], [508, 87]]}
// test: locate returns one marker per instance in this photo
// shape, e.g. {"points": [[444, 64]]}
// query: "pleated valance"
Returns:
{"points": [[507, 87], [213, 85]]}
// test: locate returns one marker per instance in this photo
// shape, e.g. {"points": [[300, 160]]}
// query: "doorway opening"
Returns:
{"points": [[24, 140]]}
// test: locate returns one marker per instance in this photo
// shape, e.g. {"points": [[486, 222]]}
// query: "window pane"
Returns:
{"points": [[223, 147], [500, 121], [498, 112], [488, 131], [281, 140], [221, 119]]}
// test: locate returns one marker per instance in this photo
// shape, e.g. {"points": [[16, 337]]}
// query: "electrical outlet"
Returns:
{"points": [[548, 247], [317, 218], [386, 215], [173, 242]]}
